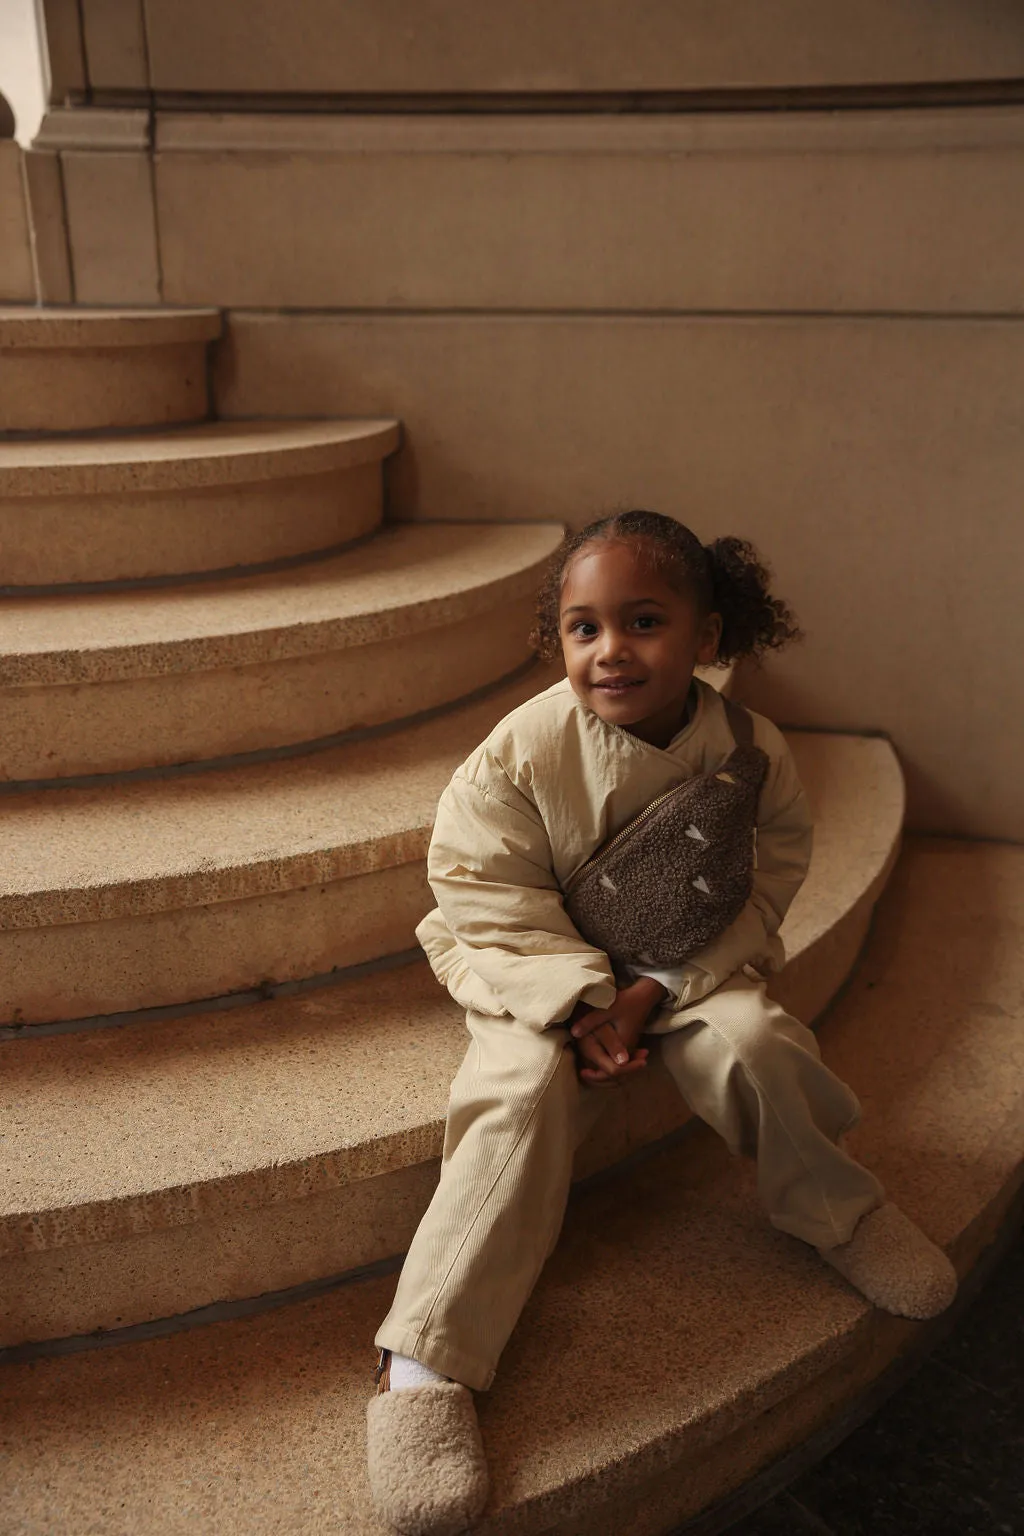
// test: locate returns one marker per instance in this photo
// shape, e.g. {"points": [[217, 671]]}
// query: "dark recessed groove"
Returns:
{"points": [[900, 95], [271, 1301], [192, 578], [265, 992]]}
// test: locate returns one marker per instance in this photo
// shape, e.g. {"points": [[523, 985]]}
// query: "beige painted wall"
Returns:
{"points": [[64, 55], [878, 463], [561, 45], [91, 177], [916, 210], [808, 328], [17, 281]]}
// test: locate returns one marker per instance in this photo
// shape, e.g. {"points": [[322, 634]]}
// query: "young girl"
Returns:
{"points": [[635, 603]]}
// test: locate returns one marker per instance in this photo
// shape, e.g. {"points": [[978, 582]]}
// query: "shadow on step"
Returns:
{"points": [[944, 1455]]}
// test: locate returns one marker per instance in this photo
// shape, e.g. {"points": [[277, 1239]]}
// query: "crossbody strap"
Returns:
{"points": [[740, 722]]}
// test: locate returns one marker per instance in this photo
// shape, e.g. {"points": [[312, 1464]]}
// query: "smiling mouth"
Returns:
{"points": [[620, 684]]}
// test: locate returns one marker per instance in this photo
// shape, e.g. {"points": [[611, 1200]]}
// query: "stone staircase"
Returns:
{"points": [[231, 696]]}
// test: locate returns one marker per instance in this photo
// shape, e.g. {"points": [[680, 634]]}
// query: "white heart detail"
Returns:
{"points": [[693, 832], [701, 885], [726, 778]]}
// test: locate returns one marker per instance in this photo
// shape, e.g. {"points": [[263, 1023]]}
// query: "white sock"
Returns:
{"points": [[410, 1373]]}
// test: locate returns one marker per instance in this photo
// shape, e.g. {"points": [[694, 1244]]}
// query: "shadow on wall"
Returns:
{"points": [[933, 807]]}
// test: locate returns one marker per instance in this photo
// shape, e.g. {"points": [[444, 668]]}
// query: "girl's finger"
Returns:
{"points": [[586, 1026], [596, 1055], [608, 1037]]}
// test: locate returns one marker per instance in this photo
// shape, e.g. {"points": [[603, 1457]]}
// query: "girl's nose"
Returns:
{"points": [[614, 647]]}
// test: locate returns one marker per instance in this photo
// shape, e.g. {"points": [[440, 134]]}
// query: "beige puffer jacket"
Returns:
{"points": [[551, 783]]}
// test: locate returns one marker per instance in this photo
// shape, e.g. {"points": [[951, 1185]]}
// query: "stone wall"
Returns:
{"points": [[804, 326], [330, 47], [880, 212], [876, 461], [17, 280]]}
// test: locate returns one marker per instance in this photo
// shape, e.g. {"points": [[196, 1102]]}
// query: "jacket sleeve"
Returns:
{"points": [[784, 838], [490, 868]]}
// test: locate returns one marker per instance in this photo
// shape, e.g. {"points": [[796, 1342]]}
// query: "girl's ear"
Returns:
{"points": [[709, 638]]}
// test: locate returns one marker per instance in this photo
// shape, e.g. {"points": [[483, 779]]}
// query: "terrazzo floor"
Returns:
{"points": [[944, 1456]]}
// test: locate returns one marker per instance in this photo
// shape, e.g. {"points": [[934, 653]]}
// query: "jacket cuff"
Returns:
{"points": [[672, 977], [599, 994]]}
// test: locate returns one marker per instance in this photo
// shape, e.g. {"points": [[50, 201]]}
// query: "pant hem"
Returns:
{"points": [[877, 1205], [440, 1357], [826, 1237]]}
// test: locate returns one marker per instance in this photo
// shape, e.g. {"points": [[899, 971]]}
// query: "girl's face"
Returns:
{"points": [[631, 641]]}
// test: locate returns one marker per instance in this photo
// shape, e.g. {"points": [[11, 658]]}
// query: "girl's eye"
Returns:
{"points": [[647, 620], [583, 629]]}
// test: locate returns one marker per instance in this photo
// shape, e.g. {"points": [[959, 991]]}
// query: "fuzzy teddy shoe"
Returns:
{"points": [[893, 1264], [428, 1475]]}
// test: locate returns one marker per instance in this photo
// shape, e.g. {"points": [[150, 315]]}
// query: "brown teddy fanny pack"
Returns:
{"points": [[678, 874]]}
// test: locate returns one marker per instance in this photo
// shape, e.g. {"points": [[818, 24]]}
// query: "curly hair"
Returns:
{"points": [[725, 577]]}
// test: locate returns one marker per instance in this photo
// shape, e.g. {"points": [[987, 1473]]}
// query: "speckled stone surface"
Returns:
{"points": [[77, 370], [50, 540], [83, 391], [181, 674], [670, 1327], [856, 843], [945, 1455], [75, 855], [291, 869], [199, 716], [69, 856], [62, 327], [187, 499], [78, 970], [212, 453], [859, 779], [244, 1250], [408, 580], [111, 1133], [297, 1046]]}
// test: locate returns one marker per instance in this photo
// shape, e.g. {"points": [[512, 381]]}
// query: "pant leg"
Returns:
{"points": [[515, 1117], [756, 1075]]}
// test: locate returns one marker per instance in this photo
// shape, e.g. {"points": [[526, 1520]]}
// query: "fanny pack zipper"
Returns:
{"points": [[609, 848]]}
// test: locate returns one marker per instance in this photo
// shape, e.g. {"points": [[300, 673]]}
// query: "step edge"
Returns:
{"points": [[540, 1512], [974, 1249], [259, 464], [1005, 1212], [264, 645], [333, 1161], [67, 328], [304, 866]]}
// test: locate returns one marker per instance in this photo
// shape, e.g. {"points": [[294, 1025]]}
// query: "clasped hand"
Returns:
{"points": [[607, 1040]]}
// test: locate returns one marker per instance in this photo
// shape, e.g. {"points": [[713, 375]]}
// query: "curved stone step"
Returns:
{"points": [[417, 617], [759, 1344], [77, 370], [139, 894], [135, 894], [295, 1138], [186, 500]]}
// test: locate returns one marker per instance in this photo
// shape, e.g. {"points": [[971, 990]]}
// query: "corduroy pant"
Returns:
{"points": [[516, 1115]]}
